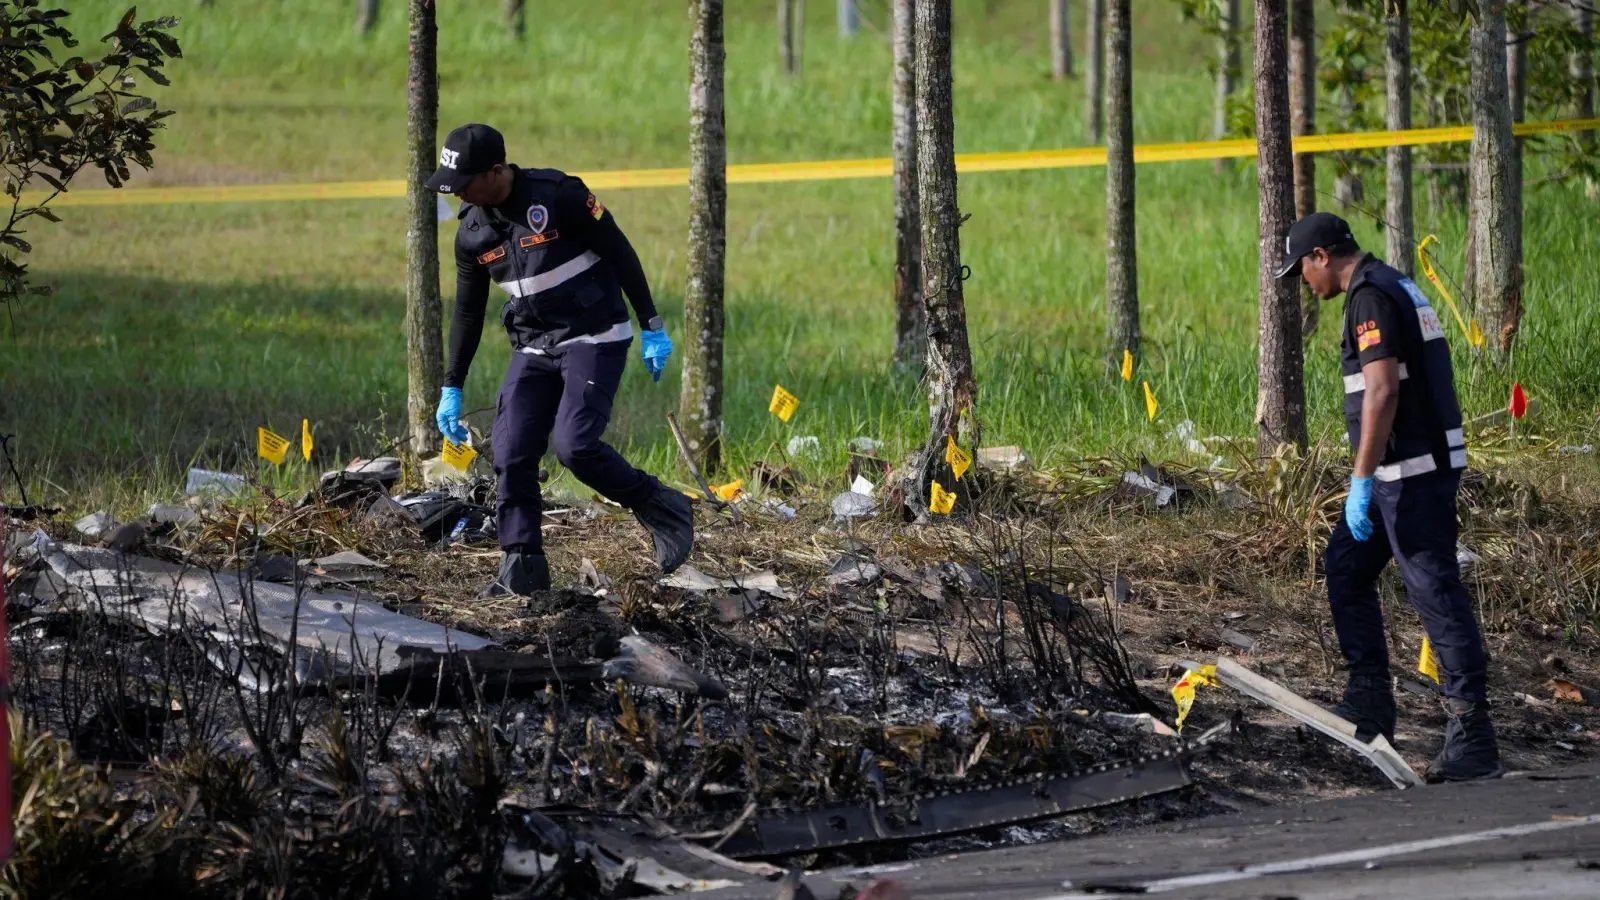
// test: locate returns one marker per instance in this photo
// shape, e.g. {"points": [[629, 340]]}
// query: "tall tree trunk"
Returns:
{"points": [[1348, 188], [1122, 268], [1495, 223], [1060, 41], [424, 339], [1228, 69], [1517, 88], [1303, 121], [910, 322], [1582, 66], [700, 405], [366, 15], [516, 18], [786, 30], [1094, 89], [952, 388], [849, 18], [1398, 213], [1280, 373]]}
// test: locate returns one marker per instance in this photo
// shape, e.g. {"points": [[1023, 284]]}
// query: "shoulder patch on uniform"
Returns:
{"points": [[1418, 298], [535, 240], [538, 217], [595, 208], [497, 253], [1369, 338]]}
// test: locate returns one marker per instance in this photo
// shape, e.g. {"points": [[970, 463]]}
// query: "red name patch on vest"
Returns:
{"points": [[534, 240], [492, 255]]}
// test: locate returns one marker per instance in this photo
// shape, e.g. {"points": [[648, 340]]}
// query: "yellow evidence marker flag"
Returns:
{"points": [[1127, 365], [941, 501], [783, 403], [1150, 404], [960, 460], [457, 456], [305, 439], [1183, 691], [729, 492], [271, 446], [1473, 334], [1427, 663]]}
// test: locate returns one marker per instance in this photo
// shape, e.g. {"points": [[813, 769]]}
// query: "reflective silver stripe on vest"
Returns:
{"points": [[1355, 384], [1455, 438], [622, 331], [544, 281], [1419, 465]]}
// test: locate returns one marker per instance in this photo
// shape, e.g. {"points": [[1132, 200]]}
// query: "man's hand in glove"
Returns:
{"points": [[656, 348], [449, 416], [1355, 508]]}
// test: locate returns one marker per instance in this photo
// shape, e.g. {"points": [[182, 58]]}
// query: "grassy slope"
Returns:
{"points": [[178, 329]]}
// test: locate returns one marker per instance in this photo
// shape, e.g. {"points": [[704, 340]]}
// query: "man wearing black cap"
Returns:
{"points": [[1405, 428], [558, 253]]}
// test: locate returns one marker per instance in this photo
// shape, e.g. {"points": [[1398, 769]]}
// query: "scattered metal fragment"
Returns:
{"points": [[204, 482], [1379, 752], [163, 514], [1137, 722], [1145, 485], [689, 578], [851, 505], [1238, 639], [95, 526], [641, 662], [851, 570], [1004, 459], [862, 486], [941, 813]]}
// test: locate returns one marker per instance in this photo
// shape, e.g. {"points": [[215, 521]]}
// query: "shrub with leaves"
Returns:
{"points": [[59, 116]]}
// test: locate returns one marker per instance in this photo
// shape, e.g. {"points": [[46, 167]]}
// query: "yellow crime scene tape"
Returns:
{"points": [[827, 170]]}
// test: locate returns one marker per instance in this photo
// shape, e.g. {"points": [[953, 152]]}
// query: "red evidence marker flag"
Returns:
{"points": [[1519, 401]]}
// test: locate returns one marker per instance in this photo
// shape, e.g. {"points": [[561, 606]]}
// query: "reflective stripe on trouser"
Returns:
{"points": [[1414, 523], [564, 401]]}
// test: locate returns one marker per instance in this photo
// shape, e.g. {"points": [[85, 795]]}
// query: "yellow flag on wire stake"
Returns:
{"points": [[941, 501], [305, 439], [271, 446], [783, 403], [1427, 663], [457, 456], [1127, 365], [1183, 691], [960, 460], [1150, 404], [729, 492]]}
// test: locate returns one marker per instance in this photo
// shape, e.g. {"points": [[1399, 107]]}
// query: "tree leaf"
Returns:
{"points": [[51, 180], [168, 43], [44, 213], [137, 104], [154, 75], [17, 242]]}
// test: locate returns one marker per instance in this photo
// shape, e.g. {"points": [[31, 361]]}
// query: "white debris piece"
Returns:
{"points": [[805, 445], [862, 486], [1465, 557], [865, 446], [852, 505], [95, 526], [220, 484], [1005, 459], [1163, 493]]}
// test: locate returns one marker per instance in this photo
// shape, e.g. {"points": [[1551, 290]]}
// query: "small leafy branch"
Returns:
{"points": [[59, 116]]}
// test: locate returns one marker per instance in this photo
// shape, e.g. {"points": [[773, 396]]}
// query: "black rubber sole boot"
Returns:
{"points": [[520, 574], [1470, 752], [1369, 705], [669, 517]]}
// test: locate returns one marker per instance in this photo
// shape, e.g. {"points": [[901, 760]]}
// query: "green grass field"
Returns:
{"points": [[176, 330]]}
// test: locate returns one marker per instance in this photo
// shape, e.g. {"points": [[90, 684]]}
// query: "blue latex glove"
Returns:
{"points": [[1355, 508], [449, 415], [656, 348]]}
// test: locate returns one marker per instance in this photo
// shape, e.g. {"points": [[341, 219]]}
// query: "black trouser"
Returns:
{"points": [[565, 400], [1414, 522]]}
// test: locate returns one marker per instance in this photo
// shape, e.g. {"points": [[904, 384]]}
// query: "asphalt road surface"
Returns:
{"points": [[1533, 836]]}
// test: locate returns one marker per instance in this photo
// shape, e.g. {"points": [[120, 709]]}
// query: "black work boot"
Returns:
{"points": [[1469, 751], [669, 517], [520, 574], [1369, 705]]}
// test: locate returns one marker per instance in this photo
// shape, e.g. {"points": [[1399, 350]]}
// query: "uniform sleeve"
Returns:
{"points": [[1375, 326], [597, 229], [466, 323]]}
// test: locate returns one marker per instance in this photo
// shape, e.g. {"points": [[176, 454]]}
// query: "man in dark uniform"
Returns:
{"points": [[1405, 428], [558, 253]]}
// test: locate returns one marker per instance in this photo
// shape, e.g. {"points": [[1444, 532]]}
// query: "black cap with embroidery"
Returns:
{"points": [[469, 151], [1320, 229]]}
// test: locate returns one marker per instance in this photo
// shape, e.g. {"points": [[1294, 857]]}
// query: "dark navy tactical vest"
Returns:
{"points": [[559, 288], [1427, 433]]}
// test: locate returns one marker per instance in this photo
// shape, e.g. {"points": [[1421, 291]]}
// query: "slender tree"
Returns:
{"points": [[910, 323], [700, 405], [1495, 225], [1400, 233], [1228, 70], [1582, 67], [1517, 89], [1060, 41], [366, 15], [1303, 121], [849, 17], [1122, 269], [424, 341], [1280, 408], [1094, 89], [516, 13], [786, 34], [952, 388]]}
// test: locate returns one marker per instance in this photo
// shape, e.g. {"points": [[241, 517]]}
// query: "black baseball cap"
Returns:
{"points": [[1320, 229], [469, 151]]}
